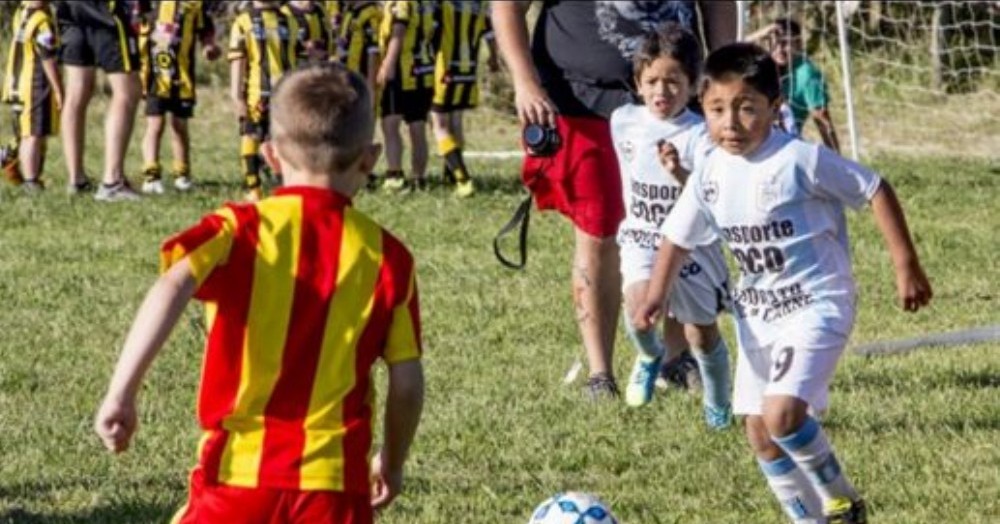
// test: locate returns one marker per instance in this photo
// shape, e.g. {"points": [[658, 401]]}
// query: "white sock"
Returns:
{"points": [[794, 491], [811, 451]]}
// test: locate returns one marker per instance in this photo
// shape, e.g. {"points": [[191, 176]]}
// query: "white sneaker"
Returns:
{"points": [[153, 187], [183, 183], [117, 192], [639, 390]]}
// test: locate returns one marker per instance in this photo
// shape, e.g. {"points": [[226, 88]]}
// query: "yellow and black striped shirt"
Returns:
{"points": [[462, 24], [266, 39], [167, 47], [36, 39], [313, 27], [357, 39], [415, 67]]}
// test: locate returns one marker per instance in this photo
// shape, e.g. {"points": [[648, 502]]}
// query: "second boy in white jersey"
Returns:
{"points": [[658, 142]]}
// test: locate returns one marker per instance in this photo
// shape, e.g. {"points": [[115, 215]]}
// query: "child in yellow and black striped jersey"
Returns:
{"points": [[33, 89], [263, 46], [316, 43], [167, 44]]}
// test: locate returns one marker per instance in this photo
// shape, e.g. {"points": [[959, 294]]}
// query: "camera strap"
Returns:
{"points": [[522, 216]]}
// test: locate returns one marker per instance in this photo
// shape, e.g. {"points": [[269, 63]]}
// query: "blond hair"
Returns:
{"points": [[322, 118]]}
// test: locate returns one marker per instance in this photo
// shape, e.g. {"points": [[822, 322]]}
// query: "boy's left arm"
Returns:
{"points": [[51, 70], [206, 34], [824, 123], [912, 285], [117, 418]]}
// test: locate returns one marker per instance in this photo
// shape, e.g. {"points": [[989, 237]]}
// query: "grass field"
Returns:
{"points": [[918, 433]]}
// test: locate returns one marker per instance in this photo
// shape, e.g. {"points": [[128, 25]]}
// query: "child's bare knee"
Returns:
{"points": [[760, 439], [783, 415], [702, 336]]}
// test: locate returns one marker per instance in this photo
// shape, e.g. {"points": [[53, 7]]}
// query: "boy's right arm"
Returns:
{"points": [[669, 260], [116, 419], [404, 403], [912, 286], [236, 72], [387, 69]]}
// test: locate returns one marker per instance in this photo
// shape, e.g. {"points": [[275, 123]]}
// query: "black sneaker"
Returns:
{"points": [[81, 188], [601, 386], [372, 183], [681, 373]]}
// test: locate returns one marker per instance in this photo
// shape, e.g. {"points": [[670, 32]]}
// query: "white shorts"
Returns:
{"points": [[799, 363], [701, 291]]}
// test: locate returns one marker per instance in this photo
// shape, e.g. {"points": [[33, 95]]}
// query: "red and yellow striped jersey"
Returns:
{"points": [[302, 294]]}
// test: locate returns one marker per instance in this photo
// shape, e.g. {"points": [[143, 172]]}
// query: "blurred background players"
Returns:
{"points": [[33, 88], [99, 33], [356, 32], [262, 47], [315, 41], [406, 78], [803, 86], [462, 25], [167, 50]]}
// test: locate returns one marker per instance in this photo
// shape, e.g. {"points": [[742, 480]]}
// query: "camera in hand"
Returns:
{"points": [[541, 140]]}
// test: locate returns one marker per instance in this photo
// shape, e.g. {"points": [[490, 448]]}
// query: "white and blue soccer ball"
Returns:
{"points": [[572, 508]]}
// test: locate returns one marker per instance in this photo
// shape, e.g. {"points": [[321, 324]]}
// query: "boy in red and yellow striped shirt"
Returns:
{"points": [[302, 294]]}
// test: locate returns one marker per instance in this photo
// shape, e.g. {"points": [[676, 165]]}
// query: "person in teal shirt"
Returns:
{"points": [[802, 83]]}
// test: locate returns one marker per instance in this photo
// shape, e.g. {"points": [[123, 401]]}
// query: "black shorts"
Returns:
{"points": [[413, 105], [257, 127], [111, 47], [157, 106]]}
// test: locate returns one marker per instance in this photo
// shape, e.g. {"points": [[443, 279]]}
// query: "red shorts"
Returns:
{"points": [[214, 504], [581, 180]]}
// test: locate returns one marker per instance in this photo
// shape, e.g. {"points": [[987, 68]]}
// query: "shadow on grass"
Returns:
{"points": [[127, 513], [111, 512]]}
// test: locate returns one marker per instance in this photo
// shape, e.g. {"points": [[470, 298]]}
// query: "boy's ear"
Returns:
{"points": [[270, 155]]}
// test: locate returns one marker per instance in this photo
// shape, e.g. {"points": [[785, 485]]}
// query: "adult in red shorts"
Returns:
{"points": [[574, 74]]}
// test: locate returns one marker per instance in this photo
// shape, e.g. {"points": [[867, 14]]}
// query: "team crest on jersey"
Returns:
{"points": [[768, 192], [628, 150], [710, 191]]}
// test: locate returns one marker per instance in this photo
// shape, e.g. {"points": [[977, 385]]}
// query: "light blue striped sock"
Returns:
{"points": [[647, 343], [811, 451], [715, 375], [794, 491]]}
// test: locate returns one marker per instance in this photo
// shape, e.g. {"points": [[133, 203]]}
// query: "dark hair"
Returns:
{"points": [[672, 40], [788, 27], [748, 62]]}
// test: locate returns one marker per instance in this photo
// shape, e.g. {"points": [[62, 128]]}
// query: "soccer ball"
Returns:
{"points": [[572, 508]]}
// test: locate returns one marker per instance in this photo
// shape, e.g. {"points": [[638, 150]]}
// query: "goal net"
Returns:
{"points": [[925, 76]]}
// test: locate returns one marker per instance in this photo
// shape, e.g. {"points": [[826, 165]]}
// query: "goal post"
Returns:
{"points": [[917, 78]]}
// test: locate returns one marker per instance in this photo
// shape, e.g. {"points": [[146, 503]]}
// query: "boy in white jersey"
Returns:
{"points": [[778, 203], [657, 143]]}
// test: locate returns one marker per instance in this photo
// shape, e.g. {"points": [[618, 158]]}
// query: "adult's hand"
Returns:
{"points": [[533, 105]]}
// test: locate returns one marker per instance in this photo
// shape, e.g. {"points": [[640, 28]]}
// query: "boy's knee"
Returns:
{"points": [[760, 439], [784, 415], [704, 337]]}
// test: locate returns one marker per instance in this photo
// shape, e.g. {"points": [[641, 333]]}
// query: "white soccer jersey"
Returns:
{"points": [[649, 191], [781, 213]]}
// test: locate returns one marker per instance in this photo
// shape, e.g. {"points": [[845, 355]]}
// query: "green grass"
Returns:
{"points": [[917, 433]]}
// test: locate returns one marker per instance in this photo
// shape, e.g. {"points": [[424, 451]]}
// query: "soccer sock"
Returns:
{"points": [[250, 155], [790, 485], [180, 168], [714, 365], [811, 451], [151, 171], [647, 343], [449, 148]]}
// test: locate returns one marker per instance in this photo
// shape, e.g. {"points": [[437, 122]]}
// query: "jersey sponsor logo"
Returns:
{"points": [[628, 150], [710, 191], [771, 304], [768, 192], [752, 234]]}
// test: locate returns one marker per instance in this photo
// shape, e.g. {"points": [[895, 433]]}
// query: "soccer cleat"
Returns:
{"points": [[33, 186], [372, 183], [80, 188], [420, 184], [395, 184], [465, 188], [641, 380], [153, 187], [681, 373], [601, 386], [118, 192], [183, 183], [845, 511], [718, 418]]}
